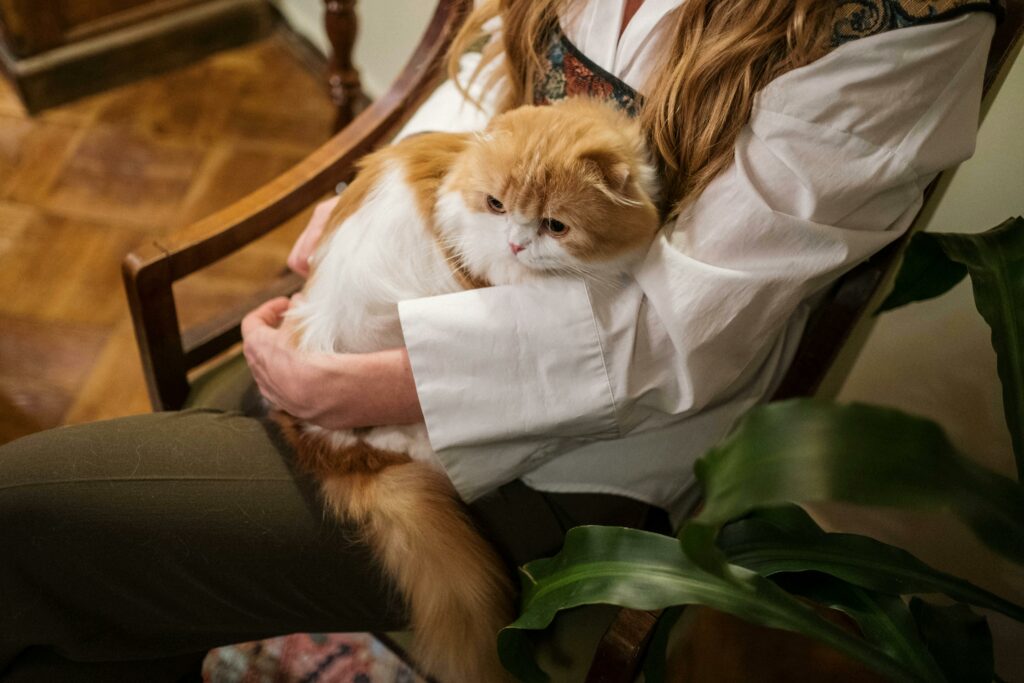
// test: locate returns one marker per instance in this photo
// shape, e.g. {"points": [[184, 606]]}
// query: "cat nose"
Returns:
{"points": [[516, 248]]}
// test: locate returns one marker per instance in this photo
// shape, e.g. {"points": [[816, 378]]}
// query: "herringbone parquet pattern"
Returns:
{"points": [[82, 184]]}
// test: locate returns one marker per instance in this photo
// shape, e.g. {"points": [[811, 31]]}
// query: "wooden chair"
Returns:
{"points": [[831, 340]]}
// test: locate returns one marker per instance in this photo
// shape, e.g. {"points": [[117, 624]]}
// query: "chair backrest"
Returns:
{"points": [[838, 328]]}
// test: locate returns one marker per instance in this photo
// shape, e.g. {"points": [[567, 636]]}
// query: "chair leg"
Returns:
{"points": [[619, 655], [345, 87]]}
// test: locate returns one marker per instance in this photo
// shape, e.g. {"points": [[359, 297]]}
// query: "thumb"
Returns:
{"points": [[268, 314]]}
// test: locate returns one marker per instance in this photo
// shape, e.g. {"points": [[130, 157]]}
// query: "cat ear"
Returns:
{"points": [[617, 176], [613, 169]]}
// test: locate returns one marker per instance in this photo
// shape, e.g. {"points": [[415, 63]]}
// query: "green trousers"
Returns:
{"points": [[129, 548]]}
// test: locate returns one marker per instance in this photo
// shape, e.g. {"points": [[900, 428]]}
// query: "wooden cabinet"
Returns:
{"points": [[56, 50], [32, 27]]}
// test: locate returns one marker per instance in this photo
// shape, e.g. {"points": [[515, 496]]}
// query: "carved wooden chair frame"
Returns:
{"points": [[169, 352]]}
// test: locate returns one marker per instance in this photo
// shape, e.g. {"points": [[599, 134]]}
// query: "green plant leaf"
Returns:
{"points": [[791, 519], [935, 262], [959, 639], [884, 620], [760, 544], [926, 272], [810, 450], [995, 261], [641, 570]]}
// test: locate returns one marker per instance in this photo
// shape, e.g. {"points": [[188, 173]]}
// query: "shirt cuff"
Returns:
{"points": [[509, 363]]}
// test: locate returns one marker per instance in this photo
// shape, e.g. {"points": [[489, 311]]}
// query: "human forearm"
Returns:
{"points": [[336, 391], [361, 390]]}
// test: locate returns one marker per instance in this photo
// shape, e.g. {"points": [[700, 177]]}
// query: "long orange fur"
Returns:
{"points": [[457, 588]]}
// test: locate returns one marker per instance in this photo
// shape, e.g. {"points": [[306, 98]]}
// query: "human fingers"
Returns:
{"points": [[268, 314], [259, 347], [302, 250]]}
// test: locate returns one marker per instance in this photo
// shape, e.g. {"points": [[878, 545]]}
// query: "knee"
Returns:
{"points": [[26, 537], [20, 472], [37, 477], [26, 514]]}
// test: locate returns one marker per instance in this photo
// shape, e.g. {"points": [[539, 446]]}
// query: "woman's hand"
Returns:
{"points": [[302, 251], [335, 391]]}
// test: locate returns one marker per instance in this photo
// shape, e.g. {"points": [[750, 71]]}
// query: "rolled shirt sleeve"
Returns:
{"points": [[830, 169]]}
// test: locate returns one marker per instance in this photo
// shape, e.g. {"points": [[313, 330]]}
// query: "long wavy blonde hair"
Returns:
{"points": [[701, 94]]}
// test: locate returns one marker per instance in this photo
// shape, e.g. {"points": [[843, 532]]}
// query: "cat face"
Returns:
{"points": [[559, 189]]}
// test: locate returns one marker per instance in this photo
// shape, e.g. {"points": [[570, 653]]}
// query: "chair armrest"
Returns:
{"points": [[149, 272]]}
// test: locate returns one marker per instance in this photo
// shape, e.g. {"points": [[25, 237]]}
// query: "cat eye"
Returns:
{"points": [[556, 228], [494, 205]]}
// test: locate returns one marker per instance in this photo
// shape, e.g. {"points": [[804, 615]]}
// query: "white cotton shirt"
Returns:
{"points": [[573, 390]]}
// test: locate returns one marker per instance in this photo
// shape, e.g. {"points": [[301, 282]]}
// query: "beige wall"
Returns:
{"points": [[388, 32], [933, 359]]}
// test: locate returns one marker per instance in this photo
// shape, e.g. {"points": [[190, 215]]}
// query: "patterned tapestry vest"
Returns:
{"points": [[568, 72]]}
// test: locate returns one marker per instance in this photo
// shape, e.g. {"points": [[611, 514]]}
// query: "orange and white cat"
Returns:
{"points": [[561, 190]]}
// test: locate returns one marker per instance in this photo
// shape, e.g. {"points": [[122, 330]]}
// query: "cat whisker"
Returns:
{"points": [[595, 275]]}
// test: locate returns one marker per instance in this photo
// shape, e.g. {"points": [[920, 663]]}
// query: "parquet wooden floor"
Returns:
{"points": [[82, 184]]}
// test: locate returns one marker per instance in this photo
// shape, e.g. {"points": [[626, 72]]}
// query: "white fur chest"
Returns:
{"points": [[381, 255]]}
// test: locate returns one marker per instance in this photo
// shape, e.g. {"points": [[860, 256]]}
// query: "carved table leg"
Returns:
{"points": [[346, 91]]}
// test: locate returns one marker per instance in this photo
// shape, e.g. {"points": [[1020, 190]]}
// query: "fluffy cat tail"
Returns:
{"points": [[456, 586]]}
